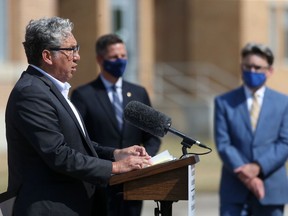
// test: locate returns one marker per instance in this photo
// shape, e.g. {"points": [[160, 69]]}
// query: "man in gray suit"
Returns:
{"points": [[53, 164], [251, 134]]}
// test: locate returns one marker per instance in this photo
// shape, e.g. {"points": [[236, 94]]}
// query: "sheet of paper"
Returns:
{"points": [[162, 157]]}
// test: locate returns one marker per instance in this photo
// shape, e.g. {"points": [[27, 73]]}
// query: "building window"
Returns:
{"points": [[117, 20], [124, 23]]}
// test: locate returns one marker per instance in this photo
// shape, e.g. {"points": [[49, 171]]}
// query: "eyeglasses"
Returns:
{"points": [[74, 49], [256, 67]]}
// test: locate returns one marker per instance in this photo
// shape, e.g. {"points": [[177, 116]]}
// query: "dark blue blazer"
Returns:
{"points": [[238, 145], [93, 103]]}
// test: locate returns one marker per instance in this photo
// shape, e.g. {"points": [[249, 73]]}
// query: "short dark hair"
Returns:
{"points": [[258, 49], [104, 41]]}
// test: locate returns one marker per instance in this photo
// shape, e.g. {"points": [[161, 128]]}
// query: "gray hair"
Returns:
{"points": [[258, 49], [45, 33]]}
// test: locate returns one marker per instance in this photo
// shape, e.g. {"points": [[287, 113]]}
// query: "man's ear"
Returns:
{"points": [[47, 57], [270, 72], [99, 59]]}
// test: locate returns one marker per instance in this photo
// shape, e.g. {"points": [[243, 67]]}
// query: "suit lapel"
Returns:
{"points": [[265, 113], [67, 107], [65, 104], [55, 91], [105, 102], [127, 97], [126, 93], [243, 109]]}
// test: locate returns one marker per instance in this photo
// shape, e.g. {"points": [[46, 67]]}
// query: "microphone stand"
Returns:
{"points": [[166, 206], [187, 142]]}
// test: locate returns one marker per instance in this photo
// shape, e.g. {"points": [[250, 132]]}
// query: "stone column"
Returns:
{"points": [[146, 44], [91, 19]]}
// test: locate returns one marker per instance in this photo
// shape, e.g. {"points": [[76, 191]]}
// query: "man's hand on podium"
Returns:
{"points": [[131, 158]]}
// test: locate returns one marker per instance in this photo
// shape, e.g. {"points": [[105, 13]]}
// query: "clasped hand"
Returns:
{"points": [[131, 158], [248, 174]]}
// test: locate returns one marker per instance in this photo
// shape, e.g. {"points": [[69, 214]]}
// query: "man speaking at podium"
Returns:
{"points": [[53, 164], [251, 134]]}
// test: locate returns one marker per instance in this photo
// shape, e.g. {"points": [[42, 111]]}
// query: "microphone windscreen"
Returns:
{"points": [[146, 118]]}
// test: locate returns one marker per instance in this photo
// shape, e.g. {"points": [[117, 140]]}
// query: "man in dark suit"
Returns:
{"points": [[95, 102], [53, 165], [251, 134]]}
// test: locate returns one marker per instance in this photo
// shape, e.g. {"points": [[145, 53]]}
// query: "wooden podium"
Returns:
{"points": [[166, 182]]}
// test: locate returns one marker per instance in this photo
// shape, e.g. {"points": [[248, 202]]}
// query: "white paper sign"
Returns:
{"points": [[191, 190]]}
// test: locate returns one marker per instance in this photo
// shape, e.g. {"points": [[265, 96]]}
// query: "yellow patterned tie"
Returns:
{"points": [[254, 112]]}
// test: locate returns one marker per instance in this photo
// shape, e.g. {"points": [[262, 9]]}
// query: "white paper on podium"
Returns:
{"points": [[162, 157]]}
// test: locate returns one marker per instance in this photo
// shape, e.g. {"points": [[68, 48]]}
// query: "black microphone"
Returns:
{"points": [[146, 118], [154, 122]]}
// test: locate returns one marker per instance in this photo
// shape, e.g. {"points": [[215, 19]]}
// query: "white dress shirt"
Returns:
{"points": [[249, 96]]}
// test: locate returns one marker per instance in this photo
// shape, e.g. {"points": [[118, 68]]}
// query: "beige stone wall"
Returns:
{"points": [[214, 33], [188, 31], [91, 19], [20, 13], [146, 40], [254, 21], [209, 31], [171, 30], [255, 27]]}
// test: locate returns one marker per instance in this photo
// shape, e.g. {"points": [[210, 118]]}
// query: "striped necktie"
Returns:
{"points": [[118, 107], [254, 112]]}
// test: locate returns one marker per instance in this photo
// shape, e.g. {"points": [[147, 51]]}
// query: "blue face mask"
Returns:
{"points": [[253, 80], [115, 68]]}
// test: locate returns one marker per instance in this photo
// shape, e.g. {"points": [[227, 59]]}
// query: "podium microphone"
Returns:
{"points": [[154, 122]]}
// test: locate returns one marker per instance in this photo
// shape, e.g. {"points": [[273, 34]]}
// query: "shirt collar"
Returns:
{"points": [[108, 85], [260, 92], [62, 87]]}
